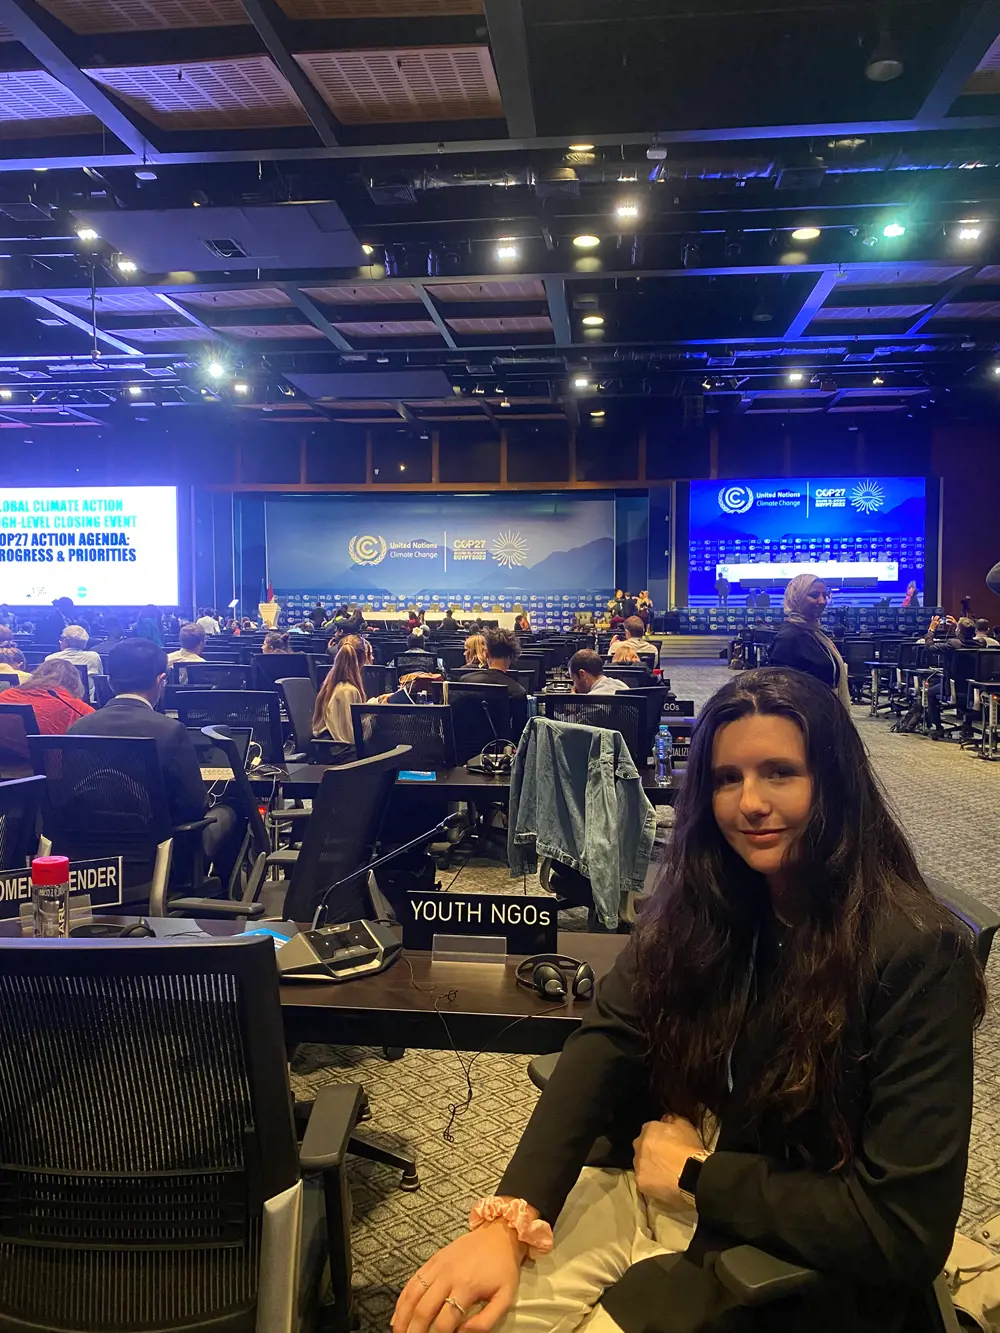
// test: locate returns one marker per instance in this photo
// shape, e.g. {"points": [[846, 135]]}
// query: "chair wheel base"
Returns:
{"points": [[410, 1182], [393, 1052]]}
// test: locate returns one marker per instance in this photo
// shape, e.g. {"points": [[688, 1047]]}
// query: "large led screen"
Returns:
{"points": [[864, 535], [99, 546]]}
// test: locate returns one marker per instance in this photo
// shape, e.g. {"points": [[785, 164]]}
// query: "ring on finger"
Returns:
{"points": [[450, 1300]]}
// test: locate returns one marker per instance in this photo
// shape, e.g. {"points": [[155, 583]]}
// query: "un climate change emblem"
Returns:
{"points": [[735, 499], [367, 550]]}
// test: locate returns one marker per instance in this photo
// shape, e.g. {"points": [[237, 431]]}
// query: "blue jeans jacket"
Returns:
{"points": [[576, 796]]}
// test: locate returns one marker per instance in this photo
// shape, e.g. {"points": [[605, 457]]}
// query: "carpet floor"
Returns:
{"points": [[946, 799]]}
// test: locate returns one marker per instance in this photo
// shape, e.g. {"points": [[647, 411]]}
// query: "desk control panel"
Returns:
{"points": [[343, 952]]}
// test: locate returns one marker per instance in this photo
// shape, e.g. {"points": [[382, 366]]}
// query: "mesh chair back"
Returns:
{"points": [[17, 723], [239, 793], [103, 693], [426, 728], [908, 655], [856, 653], [633, 676], [299, 695], [988, 664], [85, 680], [268, 668], [415, 661], [319, 664], [218, 675], [378, 680], [260, 710], [888, 649], [104, 796], [480, 714], [656, 697], [19, 806], [625, 712], [452, 657], [342, 835], [144, 1119], [532, 668]]}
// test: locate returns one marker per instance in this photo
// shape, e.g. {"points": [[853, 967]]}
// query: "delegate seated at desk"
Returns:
{"points": [[502, 649], [137, 669], [794, 986]]}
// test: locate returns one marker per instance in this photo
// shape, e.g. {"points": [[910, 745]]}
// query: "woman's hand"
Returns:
{"points": [[661, 1150], [480, 1268]]}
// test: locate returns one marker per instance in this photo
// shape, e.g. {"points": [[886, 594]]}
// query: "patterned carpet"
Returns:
{"points": [[947, 800]]}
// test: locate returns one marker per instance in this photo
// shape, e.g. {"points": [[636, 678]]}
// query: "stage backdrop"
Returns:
{"points": [[547, 552], [865, 535]]}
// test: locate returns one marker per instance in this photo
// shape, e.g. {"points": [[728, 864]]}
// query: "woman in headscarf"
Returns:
{"points": [[800, 642]]}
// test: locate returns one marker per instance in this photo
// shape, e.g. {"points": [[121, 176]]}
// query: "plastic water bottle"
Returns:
{"points": [[664, 756], [50, 896]]}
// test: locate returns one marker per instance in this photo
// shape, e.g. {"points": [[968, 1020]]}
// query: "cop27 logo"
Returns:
{"points": [[367, 550], [868, 497], [735, 499]]}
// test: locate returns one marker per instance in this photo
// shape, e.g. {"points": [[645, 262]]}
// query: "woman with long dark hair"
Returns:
{"points": [[343, 686], [781, 1057]]}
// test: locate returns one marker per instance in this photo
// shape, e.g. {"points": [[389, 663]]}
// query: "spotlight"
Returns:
{"points": [[215, 370], [6, 394], [795, 377], [691, 254], [593, 321], [893, 230], [805, 233], [506, 249], [996, 371], [368, 249], [707, 384], [127, 265], [135, 390], [505, 402], [582, 381], [969, 230], [586, 242], [878, 381], [597, 416], [884, 63], [402, 467], [762, 313], [87, 234], [581, 147], [145, 174], [241, 388], [627, 210]]}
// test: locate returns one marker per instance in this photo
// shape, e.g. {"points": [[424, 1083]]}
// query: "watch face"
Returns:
{"points": [[688, 1179]]}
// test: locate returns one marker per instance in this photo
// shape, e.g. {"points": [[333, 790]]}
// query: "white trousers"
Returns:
{"points": [[605, 1226]]}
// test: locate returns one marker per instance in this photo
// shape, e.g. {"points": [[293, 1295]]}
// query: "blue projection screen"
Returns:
{"points": [[864, 535], [544, 551]]}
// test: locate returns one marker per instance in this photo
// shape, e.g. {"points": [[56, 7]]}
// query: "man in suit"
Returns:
{"points": [[137, 668]]}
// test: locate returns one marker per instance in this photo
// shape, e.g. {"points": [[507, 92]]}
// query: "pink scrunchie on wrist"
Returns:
{"points": [[532, 1231]]}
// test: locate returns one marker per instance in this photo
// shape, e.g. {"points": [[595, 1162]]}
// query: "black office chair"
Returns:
{"points": [[150, 1163], [480, 715], [103, 693], [633, 676], [857, 653], [415, 660], [20, 802], [267, 669], [17, 723], [625, 712], [656, 696], [104, 796], [759, 1278], [427, 728], [378, 679], [260, 710], [300, 700], [217, 675]]}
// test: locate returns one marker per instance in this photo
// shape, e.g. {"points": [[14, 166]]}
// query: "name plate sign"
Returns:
{"points": [[527, 924], [679, 708], [100, 880]]}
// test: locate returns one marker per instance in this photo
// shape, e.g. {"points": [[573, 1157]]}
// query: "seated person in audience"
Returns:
{"points": [[635, 634], [113, 633], [623, 653], [501, 651], [137, 668], [449, 625], [317, 616], [522, 625], [587, 672], [192, 639], [12, 663], [342, 687], [963, 635], [781, 1056], [208, 620], [983, 636], [6, 636], [306, 627], [416, 645], [73, 648], [148, 625], [247, 625], [475, 651], [54, 691], [274, 642]]}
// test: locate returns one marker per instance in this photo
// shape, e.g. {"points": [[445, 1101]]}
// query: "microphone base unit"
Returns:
{"points": [[339, 953]]}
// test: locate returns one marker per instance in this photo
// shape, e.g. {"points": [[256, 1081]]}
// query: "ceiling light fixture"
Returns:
{"points": [[241, 388], [627, 209], [598, 415], [970, 231], [806, 233], [795, 377], [893, 230], [506, 249], [87, 234], [581, 148], [6, 394], [878, 381], [593, 321], [215, 370], [127, 265], [885, 62], [996, 371], [707, 384], [586, 241], [135, 390], [505, 402], [368, 249], [581, 382]]}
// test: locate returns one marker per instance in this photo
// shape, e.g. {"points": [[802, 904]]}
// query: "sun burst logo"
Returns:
{"points": [[868, 497], [509, 549]]}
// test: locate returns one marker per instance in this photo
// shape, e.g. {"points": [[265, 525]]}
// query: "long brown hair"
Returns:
{"points": [[475, 650], [852, 869], [346, 669]]}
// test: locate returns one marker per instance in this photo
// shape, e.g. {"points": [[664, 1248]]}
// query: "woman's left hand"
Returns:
{"points": [[662, 1148]]}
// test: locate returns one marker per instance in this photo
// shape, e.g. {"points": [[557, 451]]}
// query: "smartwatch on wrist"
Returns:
{"points": [[687, 1182]]}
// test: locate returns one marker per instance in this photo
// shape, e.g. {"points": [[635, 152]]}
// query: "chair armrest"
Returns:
{"points": [[195, 826], [331, 1123], [759, 1278], [276, 816], [213, 908], [287, 857]]}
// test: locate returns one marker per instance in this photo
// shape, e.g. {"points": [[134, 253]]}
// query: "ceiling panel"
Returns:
{"points": [[869, 312], [414, 84], [125, 302], [503, 324], [249, 93], [396, 293], [254, 298], [517, 289], [391, 328], [900, 275], [986, 78], [139, 15], [970, 310], [388, 9], [272, 332], [33, 102], [989, 274], [170, 334]]}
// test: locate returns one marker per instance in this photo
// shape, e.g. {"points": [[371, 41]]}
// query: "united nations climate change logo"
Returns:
{"points": [[868, 497], [509, 549], [735, 499], [367, 550]]}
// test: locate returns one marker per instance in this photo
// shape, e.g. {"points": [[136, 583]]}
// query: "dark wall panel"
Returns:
{"points": [[606, 455], [465, 460], [537, 452], [335, 455], [401, 456]]}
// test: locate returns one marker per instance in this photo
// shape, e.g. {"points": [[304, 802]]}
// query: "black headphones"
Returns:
{"points": [[547, 972], [496, 757]]}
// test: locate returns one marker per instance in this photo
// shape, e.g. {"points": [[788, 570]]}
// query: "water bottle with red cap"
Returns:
{"points": [[50, 896]]}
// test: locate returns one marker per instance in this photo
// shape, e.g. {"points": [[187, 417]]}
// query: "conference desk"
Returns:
{"points": [[482, 1005], [454, 784]]}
